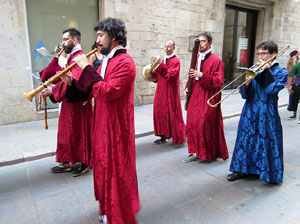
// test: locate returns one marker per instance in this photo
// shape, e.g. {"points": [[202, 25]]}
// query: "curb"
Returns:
{"points": [[49, 154]]}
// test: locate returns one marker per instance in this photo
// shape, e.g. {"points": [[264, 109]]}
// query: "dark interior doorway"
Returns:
{"points": [[239, 42]]}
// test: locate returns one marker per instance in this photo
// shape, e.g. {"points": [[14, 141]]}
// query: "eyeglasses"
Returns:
{"points": [[262, 53], [66, 39]]}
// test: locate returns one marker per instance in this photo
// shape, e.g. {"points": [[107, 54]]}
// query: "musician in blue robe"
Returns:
{"points": [[259, 143]]}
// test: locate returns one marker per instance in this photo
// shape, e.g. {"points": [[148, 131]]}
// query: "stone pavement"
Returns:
{"points": [[29, 141], [171, 192]]}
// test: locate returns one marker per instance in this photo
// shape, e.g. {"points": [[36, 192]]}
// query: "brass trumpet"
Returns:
{"points": [[251, 72], [148, 71], [31, 94]]}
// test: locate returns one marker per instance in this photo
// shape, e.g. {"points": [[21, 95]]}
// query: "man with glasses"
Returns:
{"points": [[167, 112], [73, 142], [259, 147]]}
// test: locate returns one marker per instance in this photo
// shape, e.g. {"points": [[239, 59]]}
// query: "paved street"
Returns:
{"points": [[171, 191]]}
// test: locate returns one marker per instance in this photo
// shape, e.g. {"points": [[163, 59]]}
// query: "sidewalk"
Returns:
{"points": [[28, 141]]}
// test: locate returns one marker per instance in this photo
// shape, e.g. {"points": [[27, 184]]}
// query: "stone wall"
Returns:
{"points": [[149, 25], [14, 59]]}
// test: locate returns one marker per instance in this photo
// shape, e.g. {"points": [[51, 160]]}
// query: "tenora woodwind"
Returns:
{"points": [[31, 94], [251, 73], [148, 71]]}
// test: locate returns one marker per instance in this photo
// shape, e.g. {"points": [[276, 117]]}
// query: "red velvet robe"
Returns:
{"points": [[167, 112], [113, 138], [74, 124], [205, 129]]}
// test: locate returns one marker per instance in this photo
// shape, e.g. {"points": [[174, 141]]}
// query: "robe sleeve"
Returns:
{"points": [[81, 89], [169, 73], [118, 82], [59, 91], [244, 91], [280, 80], [50, 70], [214, 80]]}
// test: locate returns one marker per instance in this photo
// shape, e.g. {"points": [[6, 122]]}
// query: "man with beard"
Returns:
{"points": [[113, 135], [167, 113], [74, 123], [204, 128]]}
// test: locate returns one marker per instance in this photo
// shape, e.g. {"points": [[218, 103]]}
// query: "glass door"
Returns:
{"points": [[238, 42], [46, 21]]}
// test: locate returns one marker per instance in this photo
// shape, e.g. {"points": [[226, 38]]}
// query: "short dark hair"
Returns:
{"points": [[115, 29], [293, 53], [73, 33], [207, 35], [173, 43], [268, 45]]}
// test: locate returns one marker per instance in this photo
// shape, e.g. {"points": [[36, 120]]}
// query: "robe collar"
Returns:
{"points": [[107, 57]]}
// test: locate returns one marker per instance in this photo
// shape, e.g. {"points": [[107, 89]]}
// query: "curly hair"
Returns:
{"points": [[115, 29]]}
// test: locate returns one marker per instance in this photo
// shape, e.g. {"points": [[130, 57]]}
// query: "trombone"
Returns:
{"points": [[251, 72], [31, 94]]}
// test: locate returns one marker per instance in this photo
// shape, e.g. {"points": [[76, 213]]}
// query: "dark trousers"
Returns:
{"points": [[294, 98]]}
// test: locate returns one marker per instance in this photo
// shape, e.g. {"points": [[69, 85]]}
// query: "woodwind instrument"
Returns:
{"points": [[31, 94], [45, 107], [192, 66], [45, 113]]}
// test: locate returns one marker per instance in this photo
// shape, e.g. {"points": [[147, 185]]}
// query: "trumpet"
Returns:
{"points": [[31, 94], [251, 73], [148, 70]]}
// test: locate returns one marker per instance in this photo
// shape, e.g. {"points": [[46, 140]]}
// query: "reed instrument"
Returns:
{"points": [[31, 94], [192, 66], [41, 99], [251, 73], [148, 71]]}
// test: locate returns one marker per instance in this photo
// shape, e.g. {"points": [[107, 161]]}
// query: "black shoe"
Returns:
{"points": [[62, 168], [190, 158], [292, 117], [80, 170], [160, 141], [235, 176]]}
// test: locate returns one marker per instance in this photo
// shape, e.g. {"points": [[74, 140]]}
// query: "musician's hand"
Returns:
{"points": [[186, 92], [46, 92], [82, 61], [158, 60], [248, 79], [195, 73], [266, 66], [67, 78]]}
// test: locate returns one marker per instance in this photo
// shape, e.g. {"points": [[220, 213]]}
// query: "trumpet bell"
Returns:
{"points": [[148, 75]]}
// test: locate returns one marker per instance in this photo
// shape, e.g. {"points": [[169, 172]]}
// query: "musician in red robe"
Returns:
{"points": [[205, 129], [113, 135], [167, 112], [74, 124]]}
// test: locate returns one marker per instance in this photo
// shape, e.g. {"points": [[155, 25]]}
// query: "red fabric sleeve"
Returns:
{"points": [[119, 80], [214, 80], [50, 70], [170, 73]]}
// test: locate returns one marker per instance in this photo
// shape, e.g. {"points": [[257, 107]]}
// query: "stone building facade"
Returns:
{"points": [[149, 25]]}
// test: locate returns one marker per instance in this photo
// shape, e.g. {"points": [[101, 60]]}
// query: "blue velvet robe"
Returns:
{"points": [[259, 144]]}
